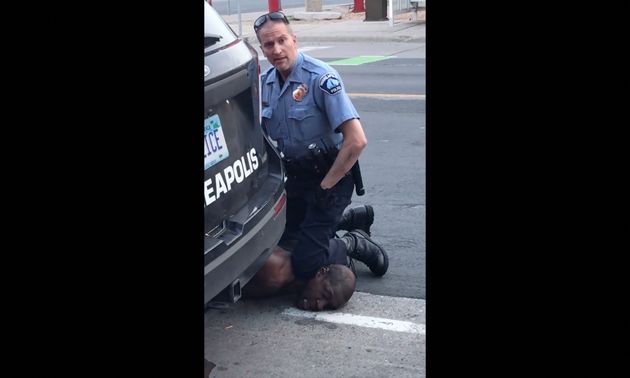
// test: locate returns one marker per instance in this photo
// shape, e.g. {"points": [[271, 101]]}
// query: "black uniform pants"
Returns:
{"points": [[310, 229]]}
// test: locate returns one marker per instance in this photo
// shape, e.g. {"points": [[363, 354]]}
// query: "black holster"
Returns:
{"points": [[316, 164]]}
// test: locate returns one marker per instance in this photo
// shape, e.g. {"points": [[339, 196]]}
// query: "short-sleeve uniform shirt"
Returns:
{"points": [[311, 105]]}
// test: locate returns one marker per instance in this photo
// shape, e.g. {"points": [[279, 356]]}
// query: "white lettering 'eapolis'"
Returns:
{"points": [[238, 171]]}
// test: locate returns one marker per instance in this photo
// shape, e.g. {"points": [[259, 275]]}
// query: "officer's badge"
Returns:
{"points": [[300, 92], [330, 84]]}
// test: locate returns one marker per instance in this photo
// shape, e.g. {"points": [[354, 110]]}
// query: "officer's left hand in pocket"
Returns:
{"points": [[324, 197]]}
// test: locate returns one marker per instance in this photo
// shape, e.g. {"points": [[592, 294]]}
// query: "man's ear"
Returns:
{"points": [[323, 271]]}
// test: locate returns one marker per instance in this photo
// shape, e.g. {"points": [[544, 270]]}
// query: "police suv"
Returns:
{"points": [[244, 197]]}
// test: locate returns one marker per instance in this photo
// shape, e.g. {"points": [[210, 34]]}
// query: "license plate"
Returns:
{"points": [[215, 146]]}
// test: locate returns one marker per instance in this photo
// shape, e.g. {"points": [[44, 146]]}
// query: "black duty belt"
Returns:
{"points": [[304, 168]]}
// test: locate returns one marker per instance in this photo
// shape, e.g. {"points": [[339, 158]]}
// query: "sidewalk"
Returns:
{"points": [[350, 27]]}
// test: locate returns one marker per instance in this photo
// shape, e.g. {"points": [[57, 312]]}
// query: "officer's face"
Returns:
{"points": [[279, 46]]}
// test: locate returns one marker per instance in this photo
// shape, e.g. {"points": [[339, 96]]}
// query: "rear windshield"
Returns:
{"points": [[217, 32]]}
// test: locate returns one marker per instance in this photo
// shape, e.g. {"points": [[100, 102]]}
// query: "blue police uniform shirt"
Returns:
{"points": [[320, 105]]}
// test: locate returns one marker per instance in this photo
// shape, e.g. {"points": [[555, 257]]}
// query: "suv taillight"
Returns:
{"points": [[280, 204]]}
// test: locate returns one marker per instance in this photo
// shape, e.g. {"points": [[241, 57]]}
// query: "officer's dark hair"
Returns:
{"points": [[343, 281]]}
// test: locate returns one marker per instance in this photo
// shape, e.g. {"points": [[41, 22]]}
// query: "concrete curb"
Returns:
{"points": [[309, 16]]}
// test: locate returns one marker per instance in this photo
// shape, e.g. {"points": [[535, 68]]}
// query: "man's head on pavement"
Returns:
{"points": [[277, 41], [331, 288]]}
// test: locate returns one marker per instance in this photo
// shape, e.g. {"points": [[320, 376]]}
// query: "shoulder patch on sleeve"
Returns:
{"points": [[330, 84]]}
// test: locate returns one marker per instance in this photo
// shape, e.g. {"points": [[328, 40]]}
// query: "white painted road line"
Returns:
{"points": [[358, 320], [311, 48]]}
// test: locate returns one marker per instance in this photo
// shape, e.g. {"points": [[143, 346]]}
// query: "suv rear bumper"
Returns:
{"points": [[251, 249]]}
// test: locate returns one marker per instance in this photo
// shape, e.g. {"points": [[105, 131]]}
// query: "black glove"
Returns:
{"points": [[324, 197]]}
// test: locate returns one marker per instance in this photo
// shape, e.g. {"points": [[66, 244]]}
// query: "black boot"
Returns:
{"points": [[364, 249], [360, 218]]}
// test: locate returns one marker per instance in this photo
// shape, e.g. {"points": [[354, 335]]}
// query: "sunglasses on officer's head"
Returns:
{"points": [[260, 21]]}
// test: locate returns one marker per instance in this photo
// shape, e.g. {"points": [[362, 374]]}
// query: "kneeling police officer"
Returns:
{"points": [[307, 112]]}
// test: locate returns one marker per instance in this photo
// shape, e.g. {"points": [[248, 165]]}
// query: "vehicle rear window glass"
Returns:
{"points": [[215, 26]]}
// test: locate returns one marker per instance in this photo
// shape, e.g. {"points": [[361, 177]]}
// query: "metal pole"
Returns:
{"points": [[358, 6], [274, 5], [240, 24], [390, 13]]}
